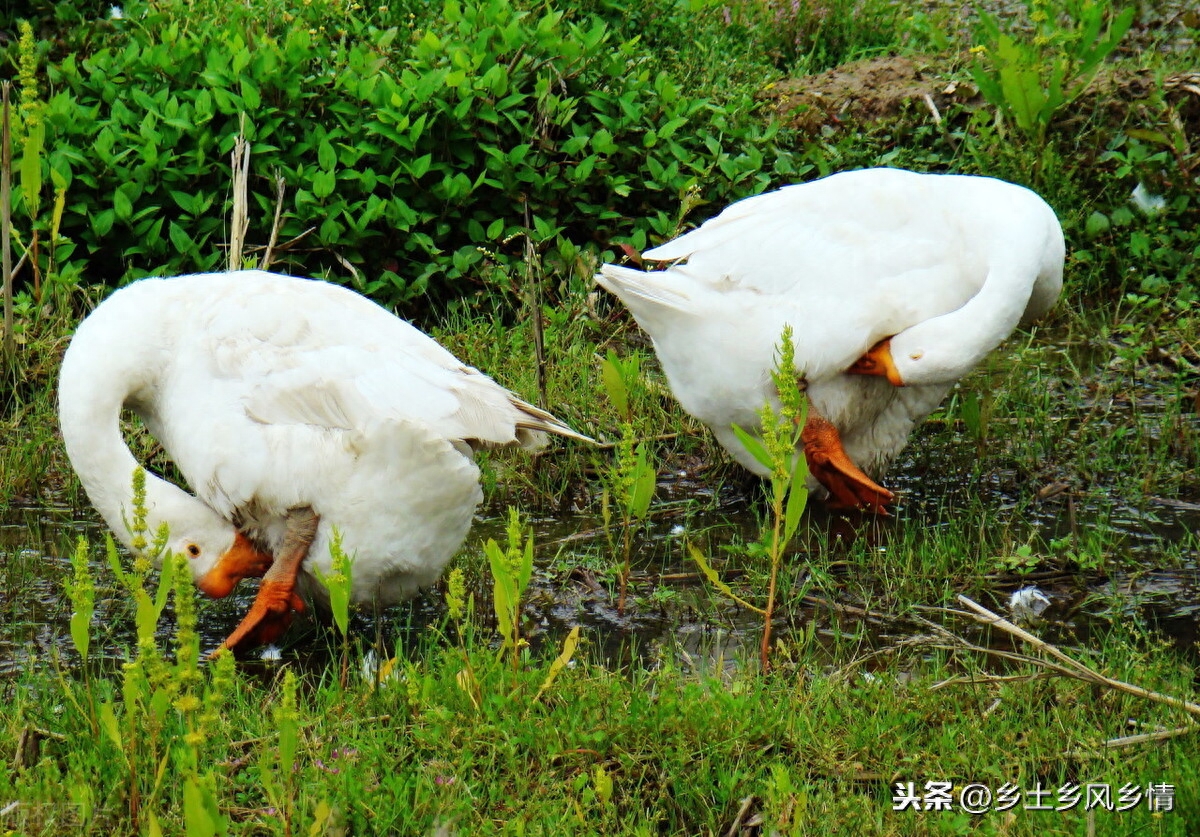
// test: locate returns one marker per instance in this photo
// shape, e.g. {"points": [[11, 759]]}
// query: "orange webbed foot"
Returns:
{"points": [[269, 617], [848, 486], [277, 601]]}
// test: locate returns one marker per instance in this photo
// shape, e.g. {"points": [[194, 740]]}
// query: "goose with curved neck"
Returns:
{"points": [[896, 284], [292, 408]]}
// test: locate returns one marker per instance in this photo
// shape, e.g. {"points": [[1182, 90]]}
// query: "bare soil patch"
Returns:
{"points": [[885, 87]]}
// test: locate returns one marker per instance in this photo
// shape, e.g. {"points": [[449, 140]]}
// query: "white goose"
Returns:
{"points": [[291, 407], [896, 285]]}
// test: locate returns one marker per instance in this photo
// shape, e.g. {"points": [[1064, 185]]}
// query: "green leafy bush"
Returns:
{"points": [[415, 148]]}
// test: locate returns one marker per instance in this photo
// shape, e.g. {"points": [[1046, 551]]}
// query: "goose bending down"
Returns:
{"points": [[292, 407], [896, 284]]}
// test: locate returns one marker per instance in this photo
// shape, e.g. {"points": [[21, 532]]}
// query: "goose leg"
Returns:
{"points": [[848, 486], [277, 600]]}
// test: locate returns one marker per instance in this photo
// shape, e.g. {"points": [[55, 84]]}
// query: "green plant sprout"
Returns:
{"points": [[511, 568], [630, 479], [339, 584], [460, 607], [81, 590], [168, 709], [279, 777], [779, 451]]}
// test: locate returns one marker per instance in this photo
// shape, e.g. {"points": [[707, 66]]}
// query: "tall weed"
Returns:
{"points": [[1031, 79]]}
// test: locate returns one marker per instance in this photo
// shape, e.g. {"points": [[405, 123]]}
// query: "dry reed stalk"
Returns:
{"points": [[1071, 666], [533, 278], [279, 192], [239, 221]]}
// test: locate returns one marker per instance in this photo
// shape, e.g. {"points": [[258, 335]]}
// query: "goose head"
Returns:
{"points": [[218, 555]]}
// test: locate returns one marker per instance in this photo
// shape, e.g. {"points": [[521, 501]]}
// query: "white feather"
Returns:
{"points": [[271, 393], [949, 264]]}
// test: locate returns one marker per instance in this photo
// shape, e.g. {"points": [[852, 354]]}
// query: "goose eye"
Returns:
{"points": [[193, 550]]}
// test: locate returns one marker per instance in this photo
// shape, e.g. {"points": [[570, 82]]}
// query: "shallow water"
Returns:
{"points": [[672, 615]]}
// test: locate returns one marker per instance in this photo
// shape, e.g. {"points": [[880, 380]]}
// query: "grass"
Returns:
{"points": [[675, 738], [1055, 463], [644, 751]]}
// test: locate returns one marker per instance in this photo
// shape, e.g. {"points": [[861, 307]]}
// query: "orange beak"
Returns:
{"points": [[243, 559], [878, 361]]}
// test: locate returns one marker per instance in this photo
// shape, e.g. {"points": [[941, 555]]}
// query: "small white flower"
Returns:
{"points": [[1028, 604], [116, 13], [271, 654], [1147, 203]]}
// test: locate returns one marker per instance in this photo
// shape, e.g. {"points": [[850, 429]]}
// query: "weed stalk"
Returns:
{"points": [[630, 479], [340, 584], [6, 221], [779, 450], [511, 568]]}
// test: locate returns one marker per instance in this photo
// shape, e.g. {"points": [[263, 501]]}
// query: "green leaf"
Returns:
{"points": [[716, 581], [502, 586], [31, 167], [644, 482], [602, 141], [323, 183], [1097, 224], [199, 810], [180, 239], [185, 200], [326, 156], [544, 230], [102, 222], [81, 625], [420, 166], [797, 497], [972, 415], [111, 726], [561, 662], [250, 94], [614, 384], [122, 205], [584, 170], [755, 447], [525, 571]]}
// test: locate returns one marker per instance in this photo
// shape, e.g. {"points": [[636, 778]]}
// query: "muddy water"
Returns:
{"points": [[672, 614]]}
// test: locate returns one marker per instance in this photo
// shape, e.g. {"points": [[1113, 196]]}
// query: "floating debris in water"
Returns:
{"points": [[1028, 604]]}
